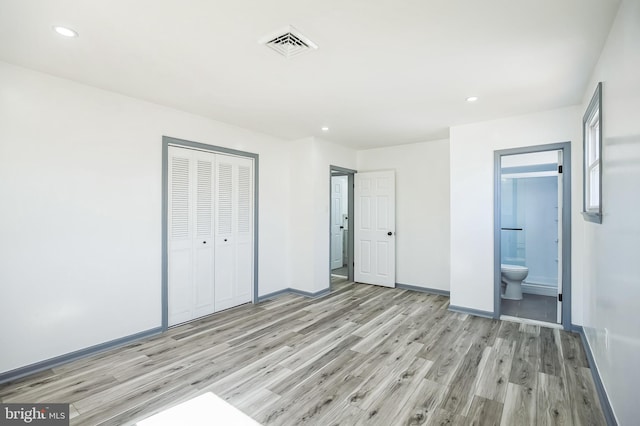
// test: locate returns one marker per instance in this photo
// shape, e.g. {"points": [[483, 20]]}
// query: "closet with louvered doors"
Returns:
{"points": [[210, 233]]}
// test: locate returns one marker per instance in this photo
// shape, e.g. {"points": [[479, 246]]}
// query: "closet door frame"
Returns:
{"points": [[181, 143]]}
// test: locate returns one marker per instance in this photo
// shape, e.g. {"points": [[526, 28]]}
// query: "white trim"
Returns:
{"points": [[531, 322], [542, 290]]}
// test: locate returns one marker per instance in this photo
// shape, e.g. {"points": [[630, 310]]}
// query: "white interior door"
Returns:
{"points": [[234, 231], [375, 228], [203, 247], [338, 187], [180, 231], [190, 243], [560, 224]]}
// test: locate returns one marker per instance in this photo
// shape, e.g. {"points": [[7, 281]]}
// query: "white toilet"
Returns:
{"points": [[512, 276]]}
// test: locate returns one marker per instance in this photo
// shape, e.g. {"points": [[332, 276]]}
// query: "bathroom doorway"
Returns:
{"points": [[532, 234], [341, 234]]}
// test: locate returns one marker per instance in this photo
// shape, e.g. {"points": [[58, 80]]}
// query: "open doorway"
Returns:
{"points": [[532, 234], [341, 214]]}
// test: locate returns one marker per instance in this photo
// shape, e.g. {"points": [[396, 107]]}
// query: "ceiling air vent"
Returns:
{"points": [[289, 42]]}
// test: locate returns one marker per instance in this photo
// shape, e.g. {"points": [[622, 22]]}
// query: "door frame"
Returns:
{"points": [[350, 173], [182, 143], [565, 147]]}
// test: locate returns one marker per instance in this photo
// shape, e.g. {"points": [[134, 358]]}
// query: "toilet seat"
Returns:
{"points": [[513, 268]]}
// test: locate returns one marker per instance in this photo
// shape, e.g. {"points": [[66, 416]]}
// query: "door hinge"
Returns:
{"points": [[560, 168], [559, 297]]}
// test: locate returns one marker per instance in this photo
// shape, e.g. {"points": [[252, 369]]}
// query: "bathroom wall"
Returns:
{"points": [[531, 203]]}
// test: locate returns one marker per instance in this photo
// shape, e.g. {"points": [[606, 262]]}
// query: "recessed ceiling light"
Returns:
{"points": [[472, 98], [325, 129], [64, 31]]}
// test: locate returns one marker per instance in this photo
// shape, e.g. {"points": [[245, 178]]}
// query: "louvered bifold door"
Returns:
{"points": [[244, 232], [233, 231], [203, 244], [190, 234], [180, 235]]}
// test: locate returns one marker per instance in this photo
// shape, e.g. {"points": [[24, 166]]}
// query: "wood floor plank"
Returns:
{"points": [[386, 372], [65, 389], [447, 363], [437, 342], [519, 406], [585, 404], [379, 321], [263, 365], [342, 414], [493, 380], [484, 412], [552, 402], [389, 405], [442, 417], [256, 400], [461, 389], [312, 365], [132, 412], [331, 315], [422, 403], [319, 347], [362, 354], [572, 350], [251, 390], [550, 352], [509, 330], [304, 400], [374, 338], [526, 360], [24, 384]]}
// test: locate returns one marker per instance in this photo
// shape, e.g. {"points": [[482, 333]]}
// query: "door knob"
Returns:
{"points": [[389, 233]]}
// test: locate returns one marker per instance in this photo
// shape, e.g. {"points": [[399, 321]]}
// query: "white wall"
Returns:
{"points": [[472, 199], [422, 209], [80, 222], [310, 177], [612, 258]]}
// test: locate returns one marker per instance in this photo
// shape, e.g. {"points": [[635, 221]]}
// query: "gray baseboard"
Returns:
{"points": [[319, 293], [475, 312], [423, 289], [272, 295], [63, 359], [602, 394], [294, 291]]}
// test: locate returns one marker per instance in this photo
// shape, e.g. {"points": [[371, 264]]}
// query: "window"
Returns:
{"points": [[592, 144]]}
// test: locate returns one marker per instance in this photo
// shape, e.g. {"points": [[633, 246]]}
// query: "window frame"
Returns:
{"points": [[592, 159]]}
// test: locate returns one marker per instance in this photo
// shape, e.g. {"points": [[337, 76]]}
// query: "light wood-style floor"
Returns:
{"points": [[361, 355]]}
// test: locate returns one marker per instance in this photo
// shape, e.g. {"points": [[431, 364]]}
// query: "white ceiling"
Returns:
{"points": [[387, 71]]}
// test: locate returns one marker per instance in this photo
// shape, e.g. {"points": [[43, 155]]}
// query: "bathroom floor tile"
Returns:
{"points": [[532, 306]]}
